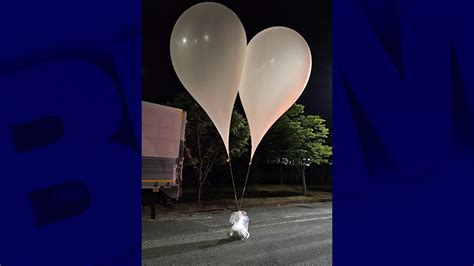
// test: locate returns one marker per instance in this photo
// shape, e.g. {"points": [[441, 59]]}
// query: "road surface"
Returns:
{"points": [[289, 235]]}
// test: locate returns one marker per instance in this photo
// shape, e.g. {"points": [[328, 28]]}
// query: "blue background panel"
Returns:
{"points": [[70, 102], [403, 133]]}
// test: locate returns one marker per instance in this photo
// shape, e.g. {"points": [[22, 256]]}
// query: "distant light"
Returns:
{"points": [[195, 40], [184, 40], [206, 37], [272, 60]]}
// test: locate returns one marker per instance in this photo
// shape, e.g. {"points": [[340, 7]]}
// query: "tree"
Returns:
{"points": [[204, 148], [298, 140]]}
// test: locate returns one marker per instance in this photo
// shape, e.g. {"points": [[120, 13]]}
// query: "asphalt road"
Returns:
{"points": [[289, 235]]}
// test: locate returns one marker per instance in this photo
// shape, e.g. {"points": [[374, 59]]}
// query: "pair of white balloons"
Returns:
{"points": [[211, 58]]}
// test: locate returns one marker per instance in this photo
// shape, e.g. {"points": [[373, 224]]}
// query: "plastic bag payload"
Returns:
{"points": [[240, 225]]}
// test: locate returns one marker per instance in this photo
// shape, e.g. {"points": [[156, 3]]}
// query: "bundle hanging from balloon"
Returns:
{"points": [[240, 225], [211, 58]]}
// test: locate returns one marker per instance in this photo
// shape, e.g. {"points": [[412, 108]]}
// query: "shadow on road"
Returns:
{"points": [[151, 253]]}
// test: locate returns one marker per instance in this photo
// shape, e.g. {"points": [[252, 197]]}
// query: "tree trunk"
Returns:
{"points": [[199, 192], [324, 185], [303, 177], [281, 175], [256, 171], [292, 176]]}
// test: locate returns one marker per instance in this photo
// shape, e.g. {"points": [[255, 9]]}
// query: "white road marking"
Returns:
{"points": [[294, 221], [177, 218], [311, 214]]}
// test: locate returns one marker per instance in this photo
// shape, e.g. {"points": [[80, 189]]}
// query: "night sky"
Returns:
{"points": [[312, 19]]}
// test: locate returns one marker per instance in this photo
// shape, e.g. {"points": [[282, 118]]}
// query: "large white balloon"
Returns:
{"points": [[276, 71], [208, 46]]}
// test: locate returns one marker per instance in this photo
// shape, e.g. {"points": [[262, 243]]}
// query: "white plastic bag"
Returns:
{"points": [[240, 225]]}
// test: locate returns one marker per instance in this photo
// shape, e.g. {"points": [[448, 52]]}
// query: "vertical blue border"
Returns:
{"points": [[70, 101], [403, 133]]}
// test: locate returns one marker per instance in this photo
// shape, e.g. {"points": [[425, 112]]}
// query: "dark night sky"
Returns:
{"points": [[312, 19]]}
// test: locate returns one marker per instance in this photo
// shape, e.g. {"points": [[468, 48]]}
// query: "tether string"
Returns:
{"points": [[233, 184], [245, 185]]}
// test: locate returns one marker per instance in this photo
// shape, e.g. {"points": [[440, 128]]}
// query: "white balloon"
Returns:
{"points": [[276, 71], [208, 46]]}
